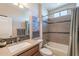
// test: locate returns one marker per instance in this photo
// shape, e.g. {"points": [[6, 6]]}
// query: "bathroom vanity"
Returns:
{"points": [[24, 48]]}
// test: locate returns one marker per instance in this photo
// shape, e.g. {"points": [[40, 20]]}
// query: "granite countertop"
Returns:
{"points": [[6, 52]]}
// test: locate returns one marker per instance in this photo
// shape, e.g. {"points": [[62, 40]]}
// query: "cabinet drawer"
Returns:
{"points": [[31, 51]]}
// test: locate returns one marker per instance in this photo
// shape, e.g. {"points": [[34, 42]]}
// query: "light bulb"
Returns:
{"points": [[15, 4], [21, 6]]}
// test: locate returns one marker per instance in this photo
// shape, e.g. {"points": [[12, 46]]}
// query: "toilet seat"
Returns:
{"points": [[46, 52]]}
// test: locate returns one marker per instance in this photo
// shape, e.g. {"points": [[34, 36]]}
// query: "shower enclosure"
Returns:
{"points": [[68, 26]]}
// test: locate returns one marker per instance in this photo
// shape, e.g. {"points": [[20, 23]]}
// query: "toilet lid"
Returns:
{"points": [[46, 51]]}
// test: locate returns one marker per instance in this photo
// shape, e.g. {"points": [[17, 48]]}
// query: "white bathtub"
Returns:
{"points": [[57, 48]]}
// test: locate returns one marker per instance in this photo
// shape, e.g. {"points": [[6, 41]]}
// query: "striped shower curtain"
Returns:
{"points": [[73, 45]]}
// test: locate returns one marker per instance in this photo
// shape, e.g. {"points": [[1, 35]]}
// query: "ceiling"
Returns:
{"points": [[33, 6], [47, 6]]}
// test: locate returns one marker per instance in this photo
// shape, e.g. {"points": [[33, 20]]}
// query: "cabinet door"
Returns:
{"points": [[37, 54], [31, 51]]}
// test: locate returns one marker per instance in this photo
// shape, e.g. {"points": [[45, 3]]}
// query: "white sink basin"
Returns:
{"points": [[18, 46]]}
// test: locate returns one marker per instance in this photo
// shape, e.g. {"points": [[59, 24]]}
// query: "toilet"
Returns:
{"points": [[46, 52]]}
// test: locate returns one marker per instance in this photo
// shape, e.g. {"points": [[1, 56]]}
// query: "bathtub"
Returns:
{"points": [[57, 48]]}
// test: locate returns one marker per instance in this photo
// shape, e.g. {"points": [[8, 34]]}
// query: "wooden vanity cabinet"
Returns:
{"points": [[34, 51]]}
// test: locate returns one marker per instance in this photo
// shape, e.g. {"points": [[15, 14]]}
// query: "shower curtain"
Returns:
{"points": [[73, 45]]}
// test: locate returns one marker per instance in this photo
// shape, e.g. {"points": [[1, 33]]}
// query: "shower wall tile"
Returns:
{"points": [[59, 38], [60, 27]]}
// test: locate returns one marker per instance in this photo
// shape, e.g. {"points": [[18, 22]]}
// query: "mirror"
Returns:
{"points": [[35, 27], [23, 28], [16, 23]]}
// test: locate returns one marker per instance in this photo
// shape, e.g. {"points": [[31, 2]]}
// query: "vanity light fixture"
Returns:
{"points": [[15, 4], [21, 6]]}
